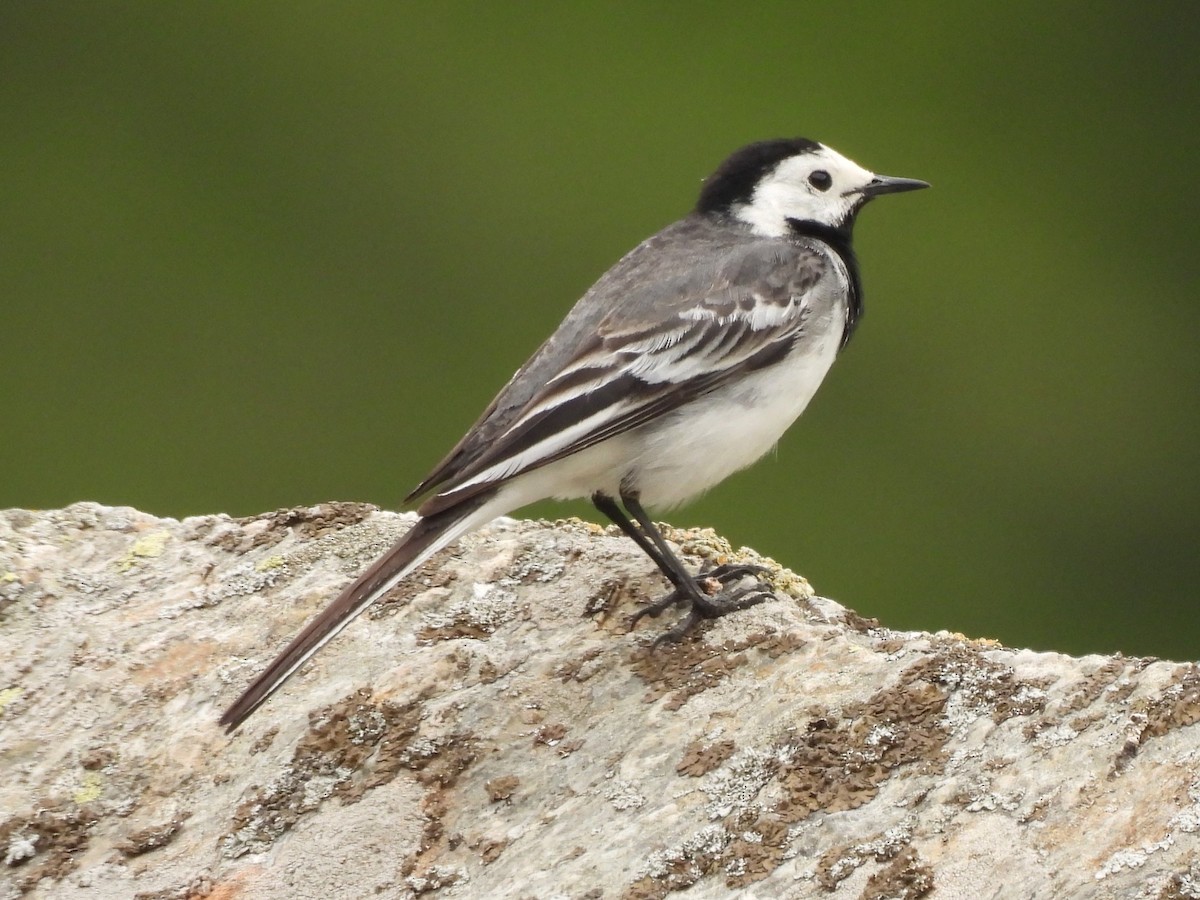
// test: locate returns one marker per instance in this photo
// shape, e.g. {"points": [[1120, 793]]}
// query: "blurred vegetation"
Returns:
{"points": [[259, 255]]}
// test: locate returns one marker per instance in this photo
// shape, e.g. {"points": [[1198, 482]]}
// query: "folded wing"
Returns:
{"points": [[647, 356]]}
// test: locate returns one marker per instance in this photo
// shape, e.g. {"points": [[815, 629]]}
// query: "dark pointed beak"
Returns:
{"points": [[885, 184]]}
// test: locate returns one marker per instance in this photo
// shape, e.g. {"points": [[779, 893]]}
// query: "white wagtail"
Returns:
{"points": [[684, 363]]}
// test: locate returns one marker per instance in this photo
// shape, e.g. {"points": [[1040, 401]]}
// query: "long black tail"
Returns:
{"points": [[427, 537]]}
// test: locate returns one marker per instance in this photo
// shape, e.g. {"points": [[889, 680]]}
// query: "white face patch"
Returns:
{"points": [[788, 192]]}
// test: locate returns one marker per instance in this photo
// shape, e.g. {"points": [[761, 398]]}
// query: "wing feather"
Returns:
{"points": [[627, 372]]}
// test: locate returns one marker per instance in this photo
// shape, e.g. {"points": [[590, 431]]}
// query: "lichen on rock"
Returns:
{"points": [[495, 728]]}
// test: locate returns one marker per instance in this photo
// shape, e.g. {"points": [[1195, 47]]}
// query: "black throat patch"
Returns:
{"points": [[839, 239]]}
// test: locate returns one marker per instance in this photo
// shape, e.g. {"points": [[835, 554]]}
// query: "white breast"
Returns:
{"points": [[708, 440]]}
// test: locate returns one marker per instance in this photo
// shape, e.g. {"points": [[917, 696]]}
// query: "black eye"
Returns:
{"points": [[821, 180]]}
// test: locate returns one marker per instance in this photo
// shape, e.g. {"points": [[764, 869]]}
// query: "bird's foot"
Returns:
{"points": [[718, 595]]}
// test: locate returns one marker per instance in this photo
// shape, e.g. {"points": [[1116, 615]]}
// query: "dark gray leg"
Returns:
{"points": [[687, 589]]}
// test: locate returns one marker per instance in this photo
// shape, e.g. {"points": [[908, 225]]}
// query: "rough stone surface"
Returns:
{"points": [[494, 729]]}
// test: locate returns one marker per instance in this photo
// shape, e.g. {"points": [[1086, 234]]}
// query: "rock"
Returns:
{"points": [[494, 729]]}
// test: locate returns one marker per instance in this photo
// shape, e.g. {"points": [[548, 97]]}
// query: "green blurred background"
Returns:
{"points": [[260, 255]]}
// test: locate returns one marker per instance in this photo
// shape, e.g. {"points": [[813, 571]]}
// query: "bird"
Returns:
{"points": [[684, 363]]}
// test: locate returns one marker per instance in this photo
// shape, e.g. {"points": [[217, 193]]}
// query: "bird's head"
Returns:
{"points": [[781, 186]]}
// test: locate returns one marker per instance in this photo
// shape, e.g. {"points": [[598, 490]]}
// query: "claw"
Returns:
{"points": [[710, 601], [733, 570], [678, 632], [658, 606]]}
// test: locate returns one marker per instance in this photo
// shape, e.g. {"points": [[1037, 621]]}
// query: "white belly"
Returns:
{"points": [[705, 442]]}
